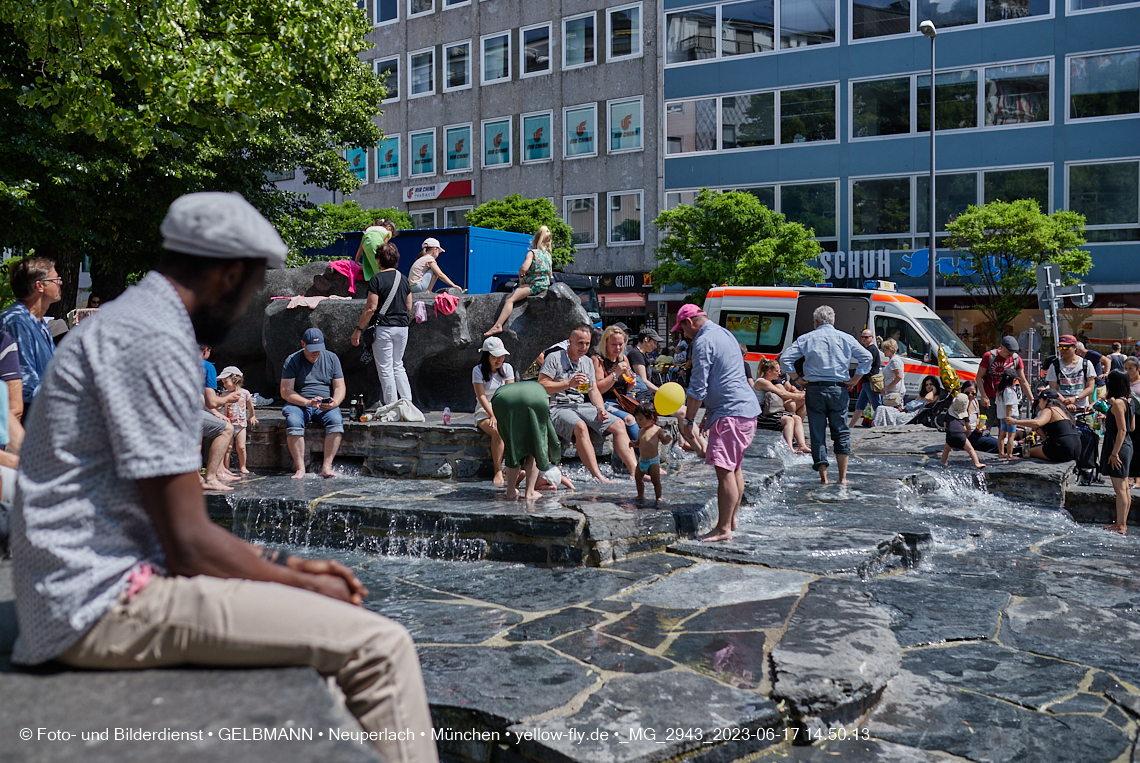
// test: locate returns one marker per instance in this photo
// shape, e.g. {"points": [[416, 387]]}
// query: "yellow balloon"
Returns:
{"points": [[669, 398]]}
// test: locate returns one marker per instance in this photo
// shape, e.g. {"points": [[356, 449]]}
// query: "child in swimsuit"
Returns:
{"points": [[649, 459]]}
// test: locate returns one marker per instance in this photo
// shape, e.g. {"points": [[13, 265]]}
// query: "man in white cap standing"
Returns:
{"points": [[116, 563]]}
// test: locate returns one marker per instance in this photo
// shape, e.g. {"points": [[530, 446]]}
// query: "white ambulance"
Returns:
{"points": [[767, 319]]}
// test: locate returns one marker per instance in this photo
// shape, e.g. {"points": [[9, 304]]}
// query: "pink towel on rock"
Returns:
{"points": [[349, 270]]}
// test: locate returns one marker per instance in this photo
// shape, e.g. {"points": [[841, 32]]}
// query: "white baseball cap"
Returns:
{"points": [[494, 345], [430, 243]]}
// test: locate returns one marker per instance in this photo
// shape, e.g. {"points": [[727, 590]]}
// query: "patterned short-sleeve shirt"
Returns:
{"points": [[119, 403]]}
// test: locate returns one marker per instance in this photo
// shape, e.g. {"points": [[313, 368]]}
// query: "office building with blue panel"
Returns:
{"points": [[821, 108]]}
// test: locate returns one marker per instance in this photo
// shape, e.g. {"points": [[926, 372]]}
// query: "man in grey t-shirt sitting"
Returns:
{"points": [[312, 386], [564, 374]]}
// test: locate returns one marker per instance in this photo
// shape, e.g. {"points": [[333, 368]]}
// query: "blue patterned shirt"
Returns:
{"points": [[33, 337]]}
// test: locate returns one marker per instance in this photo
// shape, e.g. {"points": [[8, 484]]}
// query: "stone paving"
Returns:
{"points": [[908, 617]]}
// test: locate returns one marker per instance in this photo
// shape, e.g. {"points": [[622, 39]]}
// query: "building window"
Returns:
{"points": [[497, 142], [357, 159], [766, 194], [458, 147], [1104, 85], [957, 104], [1097, 5], [952, 195], [674, 199], [690, 126], [812, 205], [581, 214], [420, 7], [1009, 10], [880, 107], [880, 207], [421, 73], [747, 121], [625, 218], [626, 123], [455, 4], [878, 18], [389, 71], [747, 28], [387, 11], [536, 50], [455, 217], [624, 32], [537, 137], [578, 41], [422, 219], [496, 58], [1017, 94], [581, 125], [1011, 185], [690, 35], [945, 15], [388, 158], [806, 22], [422, 153], [807, 115], [1108, 195], [457, 58]]}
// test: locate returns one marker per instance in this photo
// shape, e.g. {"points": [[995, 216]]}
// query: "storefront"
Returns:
{"points": [[624, 297]]}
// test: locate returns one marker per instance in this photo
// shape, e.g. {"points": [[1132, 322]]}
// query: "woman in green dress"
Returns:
{"points": [[522, 411]]}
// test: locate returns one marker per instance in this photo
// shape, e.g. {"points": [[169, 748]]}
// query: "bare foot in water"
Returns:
{"points": [[1117, 529], [607, 481], [512, 493], [299, 474], [496, 329], [499, 480], [215, 485], [328, 474], [244, 470], [228, 477], [716, 536]]}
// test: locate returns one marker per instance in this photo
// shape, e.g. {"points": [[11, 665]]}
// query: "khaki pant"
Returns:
{"points": [[226, 622]]}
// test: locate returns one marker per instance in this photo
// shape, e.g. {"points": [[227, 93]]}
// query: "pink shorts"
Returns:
{"points": [[729, 437]]}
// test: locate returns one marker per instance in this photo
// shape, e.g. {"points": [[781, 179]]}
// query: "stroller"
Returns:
{"points": [[935, 414]]}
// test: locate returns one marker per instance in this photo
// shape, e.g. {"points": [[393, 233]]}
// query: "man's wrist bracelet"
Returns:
{"points": [[275, 556], [689, 422]]}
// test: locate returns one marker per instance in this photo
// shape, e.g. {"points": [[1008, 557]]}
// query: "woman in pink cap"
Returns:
{"points": [[425, 269]]}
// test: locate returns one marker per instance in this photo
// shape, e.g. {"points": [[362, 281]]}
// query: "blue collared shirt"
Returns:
{"points": [[33, 338], [827, 354], [718, 375]]}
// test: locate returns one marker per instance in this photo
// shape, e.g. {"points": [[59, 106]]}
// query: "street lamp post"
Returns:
{"points": [[928, 29]]}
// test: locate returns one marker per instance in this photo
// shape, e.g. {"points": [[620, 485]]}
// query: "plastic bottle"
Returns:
{"points": [[366, 417], [447, 416]]}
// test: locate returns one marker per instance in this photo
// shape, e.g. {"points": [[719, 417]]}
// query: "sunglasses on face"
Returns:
{"points": [[1065, 346]]}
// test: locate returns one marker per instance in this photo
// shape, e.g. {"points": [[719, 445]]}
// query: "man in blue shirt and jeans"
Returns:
{"points": [[731, 409], [37, 287], [827, 354]]}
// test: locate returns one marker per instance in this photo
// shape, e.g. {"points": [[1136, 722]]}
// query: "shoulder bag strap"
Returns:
{"points": [[391, 294]]}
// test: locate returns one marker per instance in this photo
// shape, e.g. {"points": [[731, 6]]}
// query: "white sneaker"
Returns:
{"points": [[259, 400]]}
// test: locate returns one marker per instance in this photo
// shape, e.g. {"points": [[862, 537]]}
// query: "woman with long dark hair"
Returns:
{"points": [[1062, 440], [492, 372], [931, 389], [1117, 455]]}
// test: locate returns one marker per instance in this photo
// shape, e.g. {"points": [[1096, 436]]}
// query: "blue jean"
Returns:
{"points": [[297, 417], [613, 409], [866, 396], [827, 406]]}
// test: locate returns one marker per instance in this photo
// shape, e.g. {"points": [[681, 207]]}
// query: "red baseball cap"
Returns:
{"points": [[686, 312], [1067, 339]]}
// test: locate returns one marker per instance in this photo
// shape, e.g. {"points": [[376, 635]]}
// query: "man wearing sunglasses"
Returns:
{"points": [[37, 287], [1072, 376]]}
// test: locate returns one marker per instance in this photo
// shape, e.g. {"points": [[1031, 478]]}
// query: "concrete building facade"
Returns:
{"points": [[544, 98]]}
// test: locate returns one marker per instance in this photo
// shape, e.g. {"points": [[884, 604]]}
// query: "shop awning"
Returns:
{"points": [[624, 300]]}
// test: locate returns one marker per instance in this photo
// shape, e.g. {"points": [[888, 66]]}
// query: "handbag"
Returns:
{"points": [[877, 382], [368, 336]]}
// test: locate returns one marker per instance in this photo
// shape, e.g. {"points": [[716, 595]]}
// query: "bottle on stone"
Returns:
{"points": [[447, 416], [357, 407]]}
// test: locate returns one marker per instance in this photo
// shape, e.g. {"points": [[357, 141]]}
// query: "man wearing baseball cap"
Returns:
{"points": [[425, 269], [116, 563], [312, 386], [994, 363], [1073, 377], [731, 408]]}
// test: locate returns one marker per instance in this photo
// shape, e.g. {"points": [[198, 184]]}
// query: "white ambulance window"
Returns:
{"points": [[911, 344], [759, 332]]}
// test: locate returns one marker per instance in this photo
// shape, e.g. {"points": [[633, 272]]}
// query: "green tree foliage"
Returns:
{"points": [[514, 213], [109, 110], [1003, 242], [731, 238], [323, 224]]}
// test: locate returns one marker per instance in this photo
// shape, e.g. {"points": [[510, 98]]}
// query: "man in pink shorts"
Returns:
{"points": [[731, 409]]}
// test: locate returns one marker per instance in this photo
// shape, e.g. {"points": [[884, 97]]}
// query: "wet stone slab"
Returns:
{"points": [[749, 615], [647, 625], [609, 654], [986, 668], [628, 707], [917, 712], [735, 658], [447, 622], [709, 585], [552, 626], [925, 612]]}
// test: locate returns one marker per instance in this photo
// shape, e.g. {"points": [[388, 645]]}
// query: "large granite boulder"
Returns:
{"points": [[441, 351]]}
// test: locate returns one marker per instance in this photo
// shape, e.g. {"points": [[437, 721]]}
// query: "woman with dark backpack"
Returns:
{"points": [[1118, 454]]}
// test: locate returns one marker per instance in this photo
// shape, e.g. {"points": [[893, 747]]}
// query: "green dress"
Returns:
{"points": [[522, 411], [539, 275], [375, 236]]}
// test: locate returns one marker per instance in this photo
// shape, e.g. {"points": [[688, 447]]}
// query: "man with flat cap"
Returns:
{"points": [[116, 563]]}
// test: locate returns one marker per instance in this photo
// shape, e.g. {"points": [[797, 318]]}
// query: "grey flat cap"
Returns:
{"points": [[221, 225]]}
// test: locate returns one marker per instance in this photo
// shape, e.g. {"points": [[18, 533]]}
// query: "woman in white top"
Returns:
{"points": [[425, 269], [894, 386], [492, 372]]}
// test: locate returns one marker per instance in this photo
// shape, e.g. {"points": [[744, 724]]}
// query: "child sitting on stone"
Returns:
{"points": [[239, 413], [649, 457]]}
